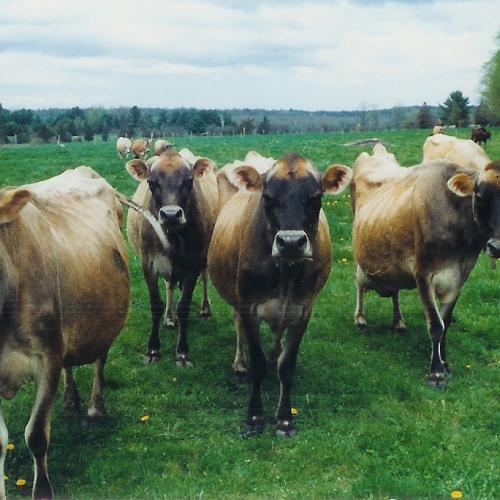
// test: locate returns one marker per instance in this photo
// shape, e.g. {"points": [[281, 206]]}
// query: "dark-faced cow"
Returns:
{"points": [[64, 294], [479, 134], [183, 197], [269, 257], [422, 227]]}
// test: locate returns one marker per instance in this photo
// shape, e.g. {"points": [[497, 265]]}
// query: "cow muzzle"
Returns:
{"points": [[292, 245], [172, 216], [493, 248]]}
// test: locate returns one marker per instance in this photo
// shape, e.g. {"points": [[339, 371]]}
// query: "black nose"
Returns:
{"points": [[290, 244], [171, 215], [493, 248]]}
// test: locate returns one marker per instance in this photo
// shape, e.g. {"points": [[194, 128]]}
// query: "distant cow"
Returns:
{"points": [[269, 257], [140, 148], [161, 146], [479, 134], [422, 227], [64, 294], [438, 129], [123, 145], [183, 197], [228, 182]]}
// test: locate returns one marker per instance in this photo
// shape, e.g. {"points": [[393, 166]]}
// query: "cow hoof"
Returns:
{"points": [[95, 414], [153, 356], [399, 327], [253, 427], [71, 410], [447, 371], [285, 429], [205, 313], [437, 381], [183, 361], [360, 323], [170, 324]]}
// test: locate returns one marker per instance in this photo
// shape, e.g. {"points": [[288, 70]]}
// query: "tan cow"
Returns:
{"points": [[422, 227], [462, 151], [64, 295], [183, 197], [228, 183], [123, 145], [161, 146], [140, 148], [269, 257]]}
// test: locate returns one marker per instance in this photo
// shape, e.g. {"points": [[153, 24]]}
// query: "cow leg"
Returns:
{"points": [[168, 319], [37, 430], [286, 370], [240, 362], [96, 409], [183, 307], [398, 323], [205, 312], [493, 263], [4, 440], [359, 313], [71, 405], [435, 327], [157, 308], [258, 365]]}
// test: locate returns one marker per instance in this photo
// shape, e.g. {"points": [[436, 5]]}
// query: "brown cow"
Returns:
{"points": [[479, 134], [183, 197], [64, 294], [269, 257], [140, 148], [422, 227]]}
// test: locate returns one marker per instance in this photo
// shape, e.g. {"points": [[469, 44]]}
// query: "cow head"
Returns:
{"points": [[291, 201], [170, 179], [485, 191], [12, 201]]}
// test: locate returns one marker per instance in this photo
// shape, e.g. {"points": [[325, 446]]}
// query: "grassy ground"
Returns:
{"points": [[368, 426]]}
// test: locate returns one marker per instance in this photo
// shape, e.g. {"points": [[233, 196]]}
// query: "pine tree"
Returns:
{"points": [[455, 110]]}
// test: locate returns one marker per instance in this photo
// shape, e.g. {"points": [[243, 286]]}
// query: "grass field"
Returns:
{"points": [[368, 425]]}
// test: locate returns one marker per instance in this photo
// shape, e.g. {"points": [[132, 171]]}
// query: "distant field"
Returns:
{"points": [[368, 425]]}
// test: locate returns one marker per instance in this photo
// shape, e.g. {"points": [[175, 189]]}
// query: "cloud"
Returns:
{"points": [[225, 53]]}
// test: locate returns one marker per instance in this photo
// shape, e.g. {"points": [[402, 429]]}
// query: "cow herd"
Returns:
{"points": [[256, 227]]}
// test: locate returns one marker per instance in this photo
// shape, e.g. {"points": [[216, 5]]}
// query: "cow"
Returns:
{"points": [[161, 146], [64, 295], [140, 148], [479, 134], [227, 182], [461, 151], [183, 197], [123, 145], [438, 129], [422, 227], [269, 257]]}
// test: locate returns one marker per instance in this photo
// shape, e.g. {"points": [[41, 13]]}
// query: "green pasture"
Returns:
{"points": [[368, 425]]}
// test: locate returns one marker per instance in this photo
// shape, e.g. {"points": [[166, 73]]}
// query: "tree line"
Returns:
{"points": [[65, 125]]}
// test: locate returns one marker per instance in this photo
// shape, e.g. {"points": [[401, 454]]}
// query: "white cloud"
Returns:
{"points": [[311, 55]]}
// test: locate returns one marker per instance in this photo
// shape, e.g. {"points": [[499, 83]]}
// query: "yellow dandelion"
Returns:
{"points": [[294, 411], [145, 418], [343, 259], [21, 482], [468, 366], [174, 379], [10, 446], [5, 478], [456, 494]]}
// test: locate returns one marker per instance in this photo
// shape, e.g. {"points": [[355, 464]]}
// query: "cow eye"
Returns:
{"points": [[188, 183], [152, 184], [269, 200]]}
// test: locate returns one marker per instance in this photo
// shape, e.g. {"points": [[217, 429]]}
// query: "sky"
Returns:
{"points": [[311, 55]]}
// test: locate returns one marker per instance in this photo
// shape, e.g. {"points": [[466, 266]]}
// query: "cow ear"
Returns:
{"points": [[461, 185], [138, 169], [335, 179], [249, 178], [12, 202], [201, 166]]}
